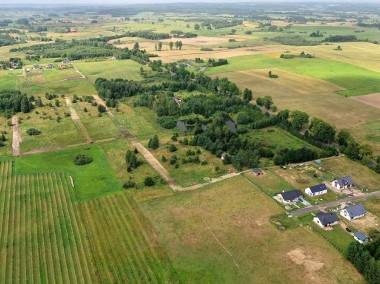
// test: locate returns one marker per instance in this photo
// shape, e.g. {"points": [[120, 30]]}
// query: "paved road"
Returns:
{"points": [[307, 210]]}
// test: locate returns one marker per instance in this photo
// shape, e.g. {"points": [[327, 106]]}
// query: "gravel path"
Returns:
{"points": [[75, 117]]}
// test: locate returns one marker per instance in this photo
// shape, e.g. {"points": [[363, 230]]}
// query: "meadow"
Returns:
{"points": [[221, 232]]}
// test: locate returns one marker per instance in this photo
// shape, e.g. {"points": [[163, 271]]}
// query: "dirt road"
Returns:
{"points": [[307, 210], [75, 117], [16, 138]]}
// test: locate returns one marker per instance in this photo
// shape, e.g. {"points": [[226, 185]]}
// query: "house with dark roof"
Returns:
{"points": [[316, 190], [342, 183], [360, 237], [289, 197], [49, 66], [353, 212], [257, 171], [323, 219], [36, 67]]}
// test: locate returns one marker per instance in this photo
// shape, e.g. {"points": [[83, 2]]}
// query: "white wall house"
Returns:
{"points": [[324, 220], [342, 183], [353, 212], [316, 190]]}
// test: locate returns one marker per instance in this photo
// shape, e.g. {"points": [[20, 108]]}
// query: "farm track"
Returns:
{"points": [[75, 117], [16, 137]]}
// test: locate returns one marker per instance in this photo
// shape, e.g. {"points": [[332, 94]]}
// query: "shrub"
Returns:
{"points": [[149, 181], [129, 184], [33, 131], [80, 160], [101, 108], [172, 148]]}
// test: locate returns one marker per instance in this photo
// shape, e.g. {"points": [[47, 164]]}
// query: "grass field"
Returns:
{"points": [[345, 75], [47, 238], [110, 69], [53, 133], [220, 234], [269, 183], [91, 181], [359, 173], [274, 138]]}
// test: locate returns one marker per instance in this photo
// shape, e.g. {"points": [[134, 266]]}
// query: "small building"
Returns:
{"points": [[353, 212], [323, 219], [223, 156], [257, 171], [27, 70], [360, 237], [63, 65], [316, 190], [65, 62], [49, 66], [36, 67], [289, 197], [342, 183]]}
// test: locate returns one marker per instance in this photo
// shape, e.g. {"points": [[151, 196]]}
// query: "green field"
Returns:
{"points": [[220, 234], [348, 76], [48, 238], [110, 69], [91, 181]]}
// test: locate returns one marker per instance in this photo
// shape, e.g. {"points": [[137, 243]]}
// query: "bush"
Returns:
{"points": [[172, 148], [101, 109], [33, 131], [80, 160], [149, 181], [129, 184]]}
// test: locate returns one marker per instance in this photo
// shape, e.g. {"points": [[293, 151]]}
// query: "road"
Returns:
{"points": [[16, 138], [307, 210]]}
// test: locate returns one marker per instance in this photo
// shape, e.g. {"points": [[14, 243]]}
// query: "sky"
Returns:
{"points": [[109, 2]]}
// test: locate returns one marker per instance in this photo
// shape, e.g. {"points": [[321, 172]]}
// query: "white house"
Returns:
{"points": [[316, 190], [342, 183], [353, 212], [324, 220], [360, 237], [289, 197]]}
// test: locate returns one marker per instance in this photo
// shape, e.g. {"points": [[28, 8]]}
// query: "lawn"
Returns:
{"points": [[91, 181], [8, 79], [360, 174], [269, 182], [6, 150], [221, 233]]}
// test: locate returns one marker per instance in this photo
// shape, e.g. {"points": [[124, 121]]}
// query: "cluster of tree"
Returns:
{"points": [[14, 101], [116, 88], [178, 45], [37, 29], [147, 35], [82, 49], [291, 56], [364, 25], [219, 24], [294, 40], [14, 63], [266, 101], [271, 75], [5, 23], [131, 160], [341, 38], [7, 39], [366, 259], [316, 34], [219, 62], [354, 150], [81, 160]]}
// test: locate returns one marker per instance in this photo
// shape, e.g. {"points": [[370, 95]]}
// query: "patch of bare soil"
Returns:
{"points": [[367, 223], [299, 257], [371, 99]]}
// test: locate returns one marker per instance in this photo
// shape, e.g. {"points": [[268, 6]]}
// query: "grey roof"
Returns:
{"points": [[344, 181], [355, 210], [318, 188], [327, 218], [256, 171], [360, 236], [291, 195]]}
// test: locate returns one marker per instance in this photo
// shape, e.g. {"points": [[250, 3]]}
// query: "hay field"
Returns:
{"points": [[326, 105], [221, 233]]}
